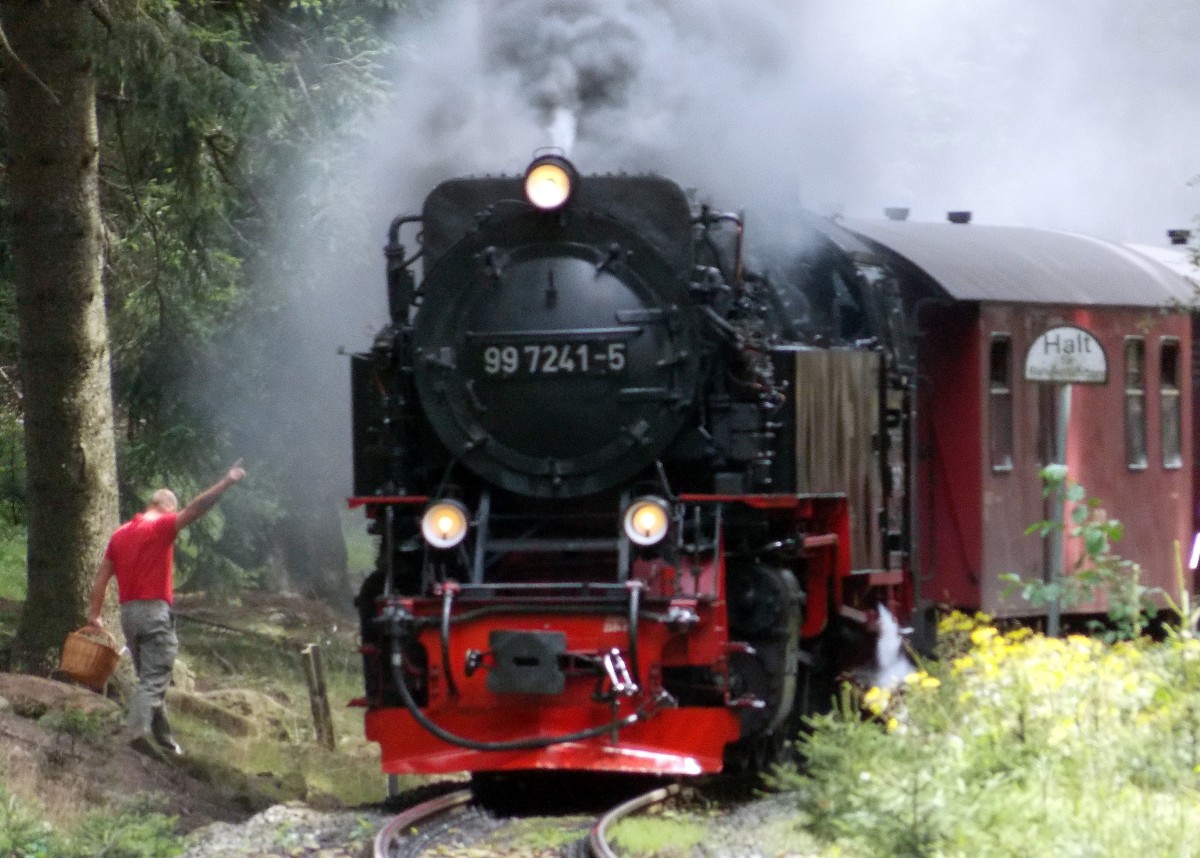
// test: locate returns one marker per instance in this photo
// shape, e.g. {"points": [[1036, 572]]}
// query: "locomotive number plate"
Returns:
{"points": [[542, 359]]}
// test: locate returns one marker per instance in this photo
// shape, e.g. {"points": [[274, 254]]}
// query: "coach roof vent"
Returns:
{"points": [[1179, 236], [896, 213], [958, 217]]}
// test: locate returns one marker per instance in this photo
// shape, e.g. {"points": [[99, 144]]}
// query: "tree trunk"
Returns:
{"points": [[64, 352]]}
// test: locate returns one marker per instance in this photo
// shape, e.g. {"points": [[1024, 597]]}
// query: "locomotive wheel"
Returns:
{"points": [[815, 694], [762, 745], [817, 680], [749, 677]]}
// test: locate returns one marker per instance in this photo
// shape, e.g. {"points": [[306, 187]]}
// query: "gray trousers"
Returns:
{"points": [[149, 631]]}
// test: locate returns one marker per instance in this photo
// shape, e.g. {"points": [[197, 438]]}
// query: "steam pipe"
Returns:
{"points": [[635, 592], [447, 603], [389, 560], [722, 325], [394, 249], [707, 218]]}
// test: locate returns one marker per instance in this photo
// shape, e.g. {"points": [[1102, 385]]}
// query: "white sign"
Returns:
{"points": [[1066, 355]]}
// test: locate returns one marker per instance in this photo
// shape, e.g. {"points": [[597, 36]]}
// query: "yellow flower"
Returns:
{"points": [[955, 621], [983, 635], [876, 699]]}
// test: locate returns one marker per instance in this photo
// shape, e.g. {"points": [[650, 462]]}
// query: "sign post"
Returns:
{"points": [[1062, 356]]}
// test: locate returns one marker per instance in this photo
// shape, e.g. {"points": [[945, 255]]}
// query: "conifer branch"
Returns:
{"points": [[100, 10], [8, 51]]}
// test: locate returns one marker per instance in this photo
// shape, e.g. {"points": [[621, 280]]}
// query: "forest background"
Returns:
{"points": [[152, 154]]}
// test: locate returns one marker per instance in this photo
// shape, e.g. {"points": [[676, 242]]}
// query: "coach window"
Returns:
{"points": [[1000, 405], [1135, 402], [1172, 417]]}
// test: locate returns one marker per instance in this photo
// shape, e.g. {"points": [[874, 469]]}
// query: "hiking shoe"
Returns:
{"points": [[143, 745], [169, 744], [160, 729]]}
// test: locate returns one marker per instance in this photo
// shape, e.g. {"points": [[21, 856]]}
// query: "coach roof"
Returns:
{"points": [[1021, 265]]}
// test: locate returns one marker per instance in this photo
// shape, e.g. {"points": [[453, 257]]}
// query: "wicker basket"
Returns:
{"points": [[87, 660]]}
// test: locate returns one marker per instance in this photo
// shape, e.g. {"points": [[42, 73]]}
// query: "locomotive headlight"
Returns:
{"points": [[444, 524], [646, 520], [549, 182]]}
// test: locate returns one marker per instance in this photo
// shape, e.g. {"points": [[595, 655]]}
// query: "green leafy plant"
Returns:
{"points": [[1097, 570], [1187, 615], [139, 830], [76, 722], [1022, 744], [13, 580], [22, 833]]}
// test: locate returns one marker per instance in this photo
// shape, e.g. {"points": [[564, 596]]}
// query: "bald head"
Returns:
{"points": [[163, 500]]}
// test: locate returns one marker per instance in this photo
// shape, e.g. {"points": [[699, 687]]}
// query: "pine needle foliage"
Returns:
{"points": [[206, 110]]}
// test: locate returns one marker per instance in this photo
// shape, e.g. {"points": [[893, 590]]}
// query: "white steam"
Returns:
{"points": [[891, 663], [562, 130], [1078, 114]]}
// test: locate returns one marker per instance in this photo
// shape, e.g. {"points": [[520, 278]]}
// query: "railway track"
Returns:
{"points": [[439, 824], [597, 841]]}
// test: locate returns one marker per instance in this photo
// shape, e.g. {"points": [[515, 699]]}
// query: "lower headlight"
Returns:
{"points": [[646, 520], [444, 524]]}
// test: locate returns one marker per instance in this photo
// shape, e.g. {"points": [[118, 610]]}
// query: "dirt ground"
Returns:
{"points": [[65, 771], [70, 764]]}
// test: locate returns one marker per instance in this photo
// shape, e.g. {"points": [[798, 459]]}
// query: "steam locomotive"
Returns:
{"points": [[636, 498]]}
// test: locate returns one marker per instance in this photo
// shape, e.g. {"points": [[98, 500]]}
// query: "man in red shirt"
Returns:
{"points": [[140, 555]]}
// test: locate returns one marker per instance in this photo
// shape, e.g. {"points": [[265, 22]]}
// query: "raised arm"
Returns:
{"points": [[207, 499]]}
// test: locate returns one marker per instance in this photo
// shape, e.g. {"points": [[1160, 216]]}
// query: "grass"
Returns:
{"points": [[653, 835], [12, 561], [535, 836], [270, 665], [138, 829]]}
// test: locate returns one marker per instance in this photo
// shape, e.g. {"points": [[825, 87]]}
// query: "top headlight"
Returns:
{"points": [[549, 182]]}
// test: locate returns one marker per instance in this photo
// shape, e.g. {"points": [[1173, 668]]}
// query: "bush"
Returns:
{"points": [[22, 833], [139, 830], [1022, 745], [1097, 571]]}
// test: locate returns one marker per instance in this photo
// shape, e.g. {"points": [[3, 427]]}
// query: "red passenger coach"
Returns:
{"points": [[1039, 347]]}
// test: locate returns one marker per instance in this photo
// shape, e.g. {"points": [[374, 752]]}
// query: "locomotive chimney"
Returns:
{"points": [[1179, 236], [896, 213], [958, 217]]}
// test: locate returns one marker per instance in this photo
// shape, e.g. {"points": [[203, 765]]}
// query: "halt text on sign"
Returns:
{"points": [[1066, 355]]}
